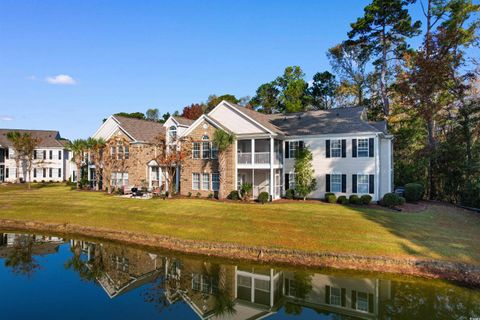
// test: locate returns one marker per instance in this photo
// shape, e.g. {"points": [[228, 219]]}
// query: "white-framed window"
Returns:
{"points": [[119, 179], [362, 301], [291, 180], [362, 183], [205, 181], [215, 181], [336, 148], [172, 133], [196, 150], [336, 182], [362, 148], [262, 285], [126, 151], [206, 152], [113, 152], [335, 296], [214, 151], [293, 147], [196, 181], [120, 152]]}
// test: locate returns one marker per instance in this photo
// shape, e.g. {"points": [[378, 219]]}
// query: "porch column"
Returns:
{"points": [[253, 151], [149, 177], [270, 182], [177, 180]]}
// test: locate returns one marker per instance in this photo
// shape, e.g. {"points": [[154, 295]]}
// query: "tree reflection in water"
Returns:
{"points": [[21, 259]]}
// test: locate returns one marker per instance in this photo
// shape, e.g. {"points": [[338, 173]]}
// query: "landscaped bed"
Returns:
{"points": [[439, 232]]}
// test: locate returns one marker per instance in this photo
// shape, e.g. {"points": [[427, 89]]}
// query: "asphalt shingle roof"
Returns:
{"points": [[183, 121], [141, 130], [48, 138]]}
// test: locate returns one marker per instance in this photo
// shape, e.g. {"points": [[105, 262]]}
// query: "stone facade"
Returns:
{"points": [[208, 166]]}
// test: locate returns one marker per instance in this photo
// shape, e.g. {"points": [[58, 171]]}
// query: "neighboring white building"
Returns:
{"points": [[51, 158]]}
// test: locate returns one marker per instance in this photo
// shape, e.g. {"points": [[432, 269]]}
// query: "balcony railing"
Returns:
{"points": [[259, 158], [262, 157], [244, 158]]}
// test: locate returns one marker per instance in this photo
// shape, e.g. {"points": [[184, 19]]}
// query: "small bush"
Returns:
{"points": [[198, 195], [390, 200], [263, 197], [328, 194], [189, 194], [210, 196], [233, 195], [331, 198], [342, 200], [290, 194], [401, 201], [413, 192], [354, 199], [366, 199]]}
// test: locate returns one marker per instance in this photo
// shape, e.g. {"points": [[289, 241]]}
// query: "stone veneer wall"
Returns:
{"points": [[205, 165]]}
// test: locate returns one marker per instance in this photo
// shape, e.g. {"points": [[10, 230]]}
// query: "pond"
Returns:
{"points": [[48, 277]]}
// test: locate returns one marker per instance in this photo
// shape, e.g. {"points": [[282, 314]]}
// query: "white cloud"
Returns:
{"points": [[61, 79], [6, 118]]}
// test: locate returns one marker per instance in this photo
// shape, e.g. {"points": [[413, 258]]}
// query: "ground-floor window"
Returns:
{"points": [[362, 184], [195, 181], [205, 181], [215, 181], [119, 179], [336, 183], [291, 180]]}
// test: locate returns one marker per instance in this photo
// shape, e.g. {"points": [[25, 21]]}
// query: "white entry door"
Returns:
{"points": [[278, 186]]}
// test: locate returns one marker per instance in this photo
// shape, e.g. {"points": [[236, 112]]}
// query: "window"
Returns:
{"points": [[214, 151], [195, 181], [196, 282], [362, 301], [262, 285], [336, 148], [243, 281], [59, 154], [59, 172], [215, 181], [126, 151], [290, 287], [113, 151], [119, 179], [196, 150], [293, 148], [172, 133], [336, 183], [50, 154], [206, 153], [335, 296], [291, 180], [362, 184], [120, 152], [362, 148], [205, 181]]}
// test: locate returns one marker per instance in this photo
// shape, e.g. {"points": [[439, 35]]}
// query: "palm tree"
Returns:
{"points": [[78, 147], [95, 148], [223, 140], [16, 139]]}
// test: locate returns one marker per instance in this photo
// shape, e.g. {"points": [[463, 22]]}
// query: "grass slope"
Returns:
{"points": [[439, 232]]}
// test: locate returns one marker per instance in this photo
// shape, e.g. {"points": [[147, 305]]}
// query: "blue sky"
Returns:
{"points": [[66, 65]]}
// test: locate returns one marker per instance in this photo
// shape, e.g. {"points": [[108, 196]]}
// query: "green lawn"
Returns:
{"points": [[439, 232]]}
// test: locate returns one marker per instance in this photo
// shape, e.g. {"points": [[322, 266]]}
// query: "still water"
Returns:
{"points": [[47, 277]]}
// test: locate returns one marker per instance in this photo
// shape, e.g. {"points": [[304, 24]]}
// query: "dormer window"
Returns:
{"points": [[172, 132]]}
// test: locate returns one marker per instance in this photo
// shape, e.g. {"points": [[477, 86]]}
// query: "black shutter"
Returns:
{"points": [[354, 148], [287, 150], [6, 172], [344, 183], [327, 183], [6, 153], [370, 303], [327, 294], [34, 154], [371, 183], [343, 298], [354, 300], [287, 181], [301, 145], [371, 145], [327, 148], [354, 183], [344, 148]]}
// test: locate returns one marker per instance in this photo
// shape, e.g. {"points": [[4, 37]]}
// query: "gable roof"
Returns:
{"points": [[199, 120], [182, 121], [260, 118], [140, 130], [49, 138], [331, 121]]}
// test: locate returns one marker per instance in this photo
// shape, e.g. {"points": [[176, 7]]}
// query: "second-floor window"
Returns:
{"points": [[206, 153], [336, 148], [293, 148], [214, 151], [362, 148], [172, 133], [120, 152], [196, 150]]}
